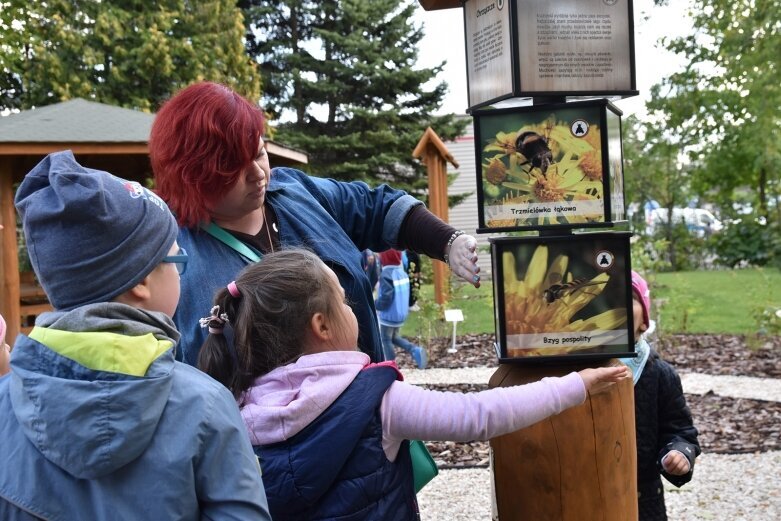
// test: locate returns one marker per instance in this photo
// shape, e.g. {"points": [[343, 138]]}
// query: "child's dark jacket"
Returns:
{"points": [[336, 468], [663, 423]]}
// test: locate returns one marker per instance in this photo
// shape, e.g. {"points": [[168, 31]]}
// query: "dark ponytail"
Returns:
{"points": [[217, 358], [269, 319]]}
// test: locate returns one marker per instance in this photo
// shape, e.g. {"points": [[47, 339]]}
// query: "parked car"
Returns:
{"points": [[699, 221]]}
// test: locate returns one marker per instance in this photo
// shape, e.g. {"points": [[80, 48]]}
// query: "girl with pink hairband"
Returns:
{"points": [[330, 428]]}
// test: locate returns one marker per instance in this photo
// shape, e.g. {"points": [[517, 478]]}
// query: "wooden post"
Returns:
{"points": [[9, 260], [580, 465], [435, 156]]}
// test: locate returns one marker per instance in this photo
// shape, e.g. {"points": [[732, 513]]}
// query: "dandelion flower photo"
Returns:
{"points": [[547, 299]]}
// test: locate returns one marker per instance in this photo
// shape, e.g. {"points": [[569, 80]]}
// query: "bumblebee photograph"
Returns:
{"points": [[544, 166], [563, 296]]}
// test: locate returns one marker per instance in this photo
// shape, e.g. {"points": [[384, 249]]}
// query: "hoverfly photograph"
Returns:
{"points": [[561, 296], [542, 166]]}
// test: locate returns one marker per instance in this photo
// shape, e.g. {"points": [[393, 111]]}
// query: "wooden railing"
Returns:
{"points": [[32, 300]]}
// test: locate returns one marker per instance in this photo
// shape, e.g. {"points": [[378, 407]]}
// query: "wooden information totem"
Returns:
{"points": [[549, 159]]}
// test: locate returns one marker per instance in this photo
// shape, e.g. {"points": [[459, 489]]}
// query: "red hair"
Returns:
{"points": [[201, 141]]}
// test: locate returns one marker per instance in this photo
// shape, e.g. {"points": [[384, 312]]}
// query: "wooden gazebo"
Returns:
{"points": [[102, 137]]}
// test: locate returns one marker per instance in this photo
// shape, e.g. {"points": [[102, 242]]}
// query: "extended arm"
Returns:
{"points": [[382, 218], [424, 232], [411, 412]]}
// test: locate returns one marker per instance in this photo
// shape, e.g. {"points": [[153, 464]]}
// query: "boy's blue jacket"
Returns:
{"points": [[393, 296], [336, 220], [163, 441]]}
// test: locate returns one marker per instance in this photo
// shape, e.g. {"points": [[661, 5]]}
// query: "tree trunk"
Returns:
{"points": [[763, 192]]}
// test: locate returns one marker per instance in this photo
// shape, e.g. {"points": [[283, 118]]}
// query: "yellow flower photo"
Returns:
{"points": [[544, 166], [558, 300]]}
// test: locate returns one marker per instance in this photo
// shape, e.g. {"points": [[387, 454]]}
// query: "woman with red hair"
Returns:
{"points": [[211, 167]]}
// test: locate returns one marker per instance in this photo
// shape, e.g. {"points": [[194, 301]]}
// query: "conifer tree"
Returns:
{"points": [[346, 71]]}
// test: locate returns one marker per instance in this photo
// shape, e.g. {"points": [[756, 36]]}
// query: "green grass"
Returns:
{"points": [[714, 301], [688, 302], [476, 304]]}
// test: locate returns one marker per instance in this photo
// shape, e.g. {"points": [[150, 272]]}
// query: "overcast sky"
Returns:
{"points": [[444, 40]]}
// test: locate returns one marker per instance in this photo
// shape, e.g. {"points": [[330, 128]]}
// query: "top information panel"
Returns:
{"points": [[489, 59], [527, 48]]}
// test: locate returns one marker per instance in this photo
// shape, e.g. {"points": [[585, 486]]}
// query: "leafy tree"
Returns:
{"points": [[131, 53], [346, 70], [654, 170], [727, 98], [14, 51]]}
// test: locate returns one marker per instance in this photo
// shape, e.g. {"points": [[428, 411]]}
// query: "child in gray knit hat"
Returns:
{"points": [[95, 406]]}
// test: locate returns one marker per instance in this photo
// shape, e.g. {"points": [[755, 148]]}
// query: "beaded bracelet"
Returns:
{"points": [[450, 242]]}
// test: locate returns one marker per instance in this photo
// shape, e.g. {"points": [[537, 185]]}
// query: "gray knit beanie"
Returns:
{"points": [[91, 236]]}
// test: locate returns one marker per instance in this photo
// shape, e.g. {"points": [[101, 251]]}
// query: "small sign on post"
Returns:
{"points": [[455, 316]]}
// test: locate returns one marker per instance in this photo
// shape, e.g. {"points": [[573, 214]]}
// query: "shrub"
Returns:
{"points": [[675, 248], [768, 320], [749, 240]]}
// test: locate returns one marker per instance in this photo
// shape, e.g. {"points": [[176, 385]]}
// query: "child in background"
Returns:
{"points": [[330, 428], [370, 263], [99, 421], [666, 437], [393, 307], [5, 351]]}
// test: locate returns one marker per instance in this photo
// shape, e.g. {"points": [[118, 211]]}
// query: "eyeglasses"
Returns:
{"points": [[180, 259]]}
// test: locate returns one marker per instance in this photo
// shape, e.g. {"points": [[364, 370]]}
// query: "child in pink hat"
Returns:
{"points": [[666, 437], [641, 297]]}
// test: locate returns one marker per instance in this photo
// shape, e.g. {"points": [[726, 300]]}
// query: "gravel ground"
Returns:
{"points": [[726, 487], [721, 376], [768, 389]]}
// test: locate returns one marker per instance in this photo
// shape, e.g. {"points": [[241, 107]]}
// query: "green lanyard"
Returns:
{"points": [[249, 254]]}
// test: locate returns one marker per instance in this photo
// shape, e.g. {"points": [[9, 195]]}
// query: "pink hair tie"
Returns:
{"points": [[233, 289]]}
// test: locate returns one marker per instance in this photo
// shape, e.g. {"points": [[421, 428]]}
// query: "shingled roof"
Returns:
{"points": [[79, 123], [76, 121]]}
